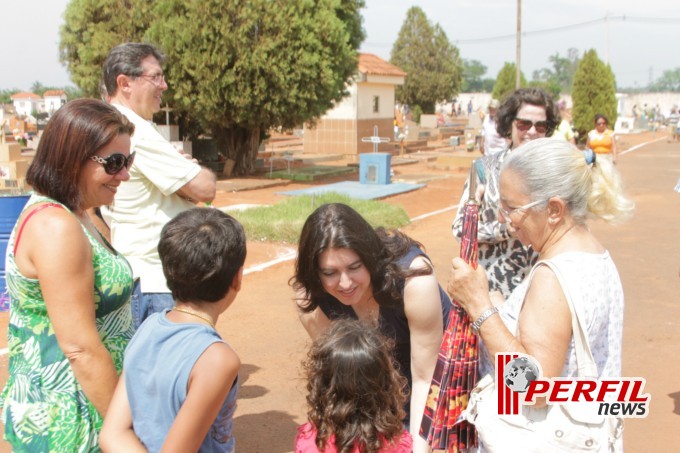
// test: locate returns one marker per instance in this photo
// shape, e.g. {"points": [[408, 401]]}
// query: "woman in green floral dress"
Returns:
{"points": [[70, 318]]}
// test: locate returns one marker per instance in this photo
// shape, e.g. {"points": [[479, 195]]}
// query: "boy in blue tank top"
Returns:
{"points": [[179, 381]]}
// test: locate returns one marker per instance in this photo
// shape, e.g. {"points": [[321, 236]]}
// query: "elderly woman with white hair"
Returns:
{"points": [[548, 190]]}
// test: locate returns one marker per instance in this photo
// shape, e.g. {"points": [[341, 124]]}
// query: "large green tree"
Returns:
{"points": [[91, 28], [240, 68], [235, 69], [432, 63], [593, 92], [505, 81]]}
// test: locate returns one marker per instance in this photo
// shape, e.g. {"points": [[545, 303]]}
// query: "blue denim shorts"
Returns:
{"points": [[144, 304]]}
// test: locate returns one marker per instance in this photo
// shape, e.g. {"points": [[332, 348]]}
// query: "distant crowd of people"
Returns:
{"points": [[113, 343]]}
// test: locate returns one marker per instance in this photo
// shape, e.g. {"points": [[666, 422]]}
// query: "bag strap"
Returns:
{"points": [[26, 219], [584, 356]]}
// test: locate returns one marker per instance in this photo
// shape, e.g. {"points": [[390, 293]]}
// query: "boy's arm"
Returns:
{"points": [[209, 383], [117, 433]]}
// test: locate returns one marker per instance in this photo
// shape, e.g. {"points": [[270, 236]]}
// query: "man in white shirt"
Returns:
{"points": [[163, 182], [492, 143]]}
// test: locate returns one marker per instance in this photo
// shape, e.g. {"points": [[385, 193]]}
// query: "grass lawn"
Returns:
{"points": [[283, 221]]}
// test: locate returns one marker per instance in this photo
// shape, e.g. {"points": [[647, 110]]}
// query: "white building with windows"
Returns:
{"points": [[370, 103], [27, 103]]}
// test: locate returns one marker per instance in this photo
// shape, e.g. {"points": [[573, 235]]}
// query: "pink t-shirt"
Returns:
{"points": [[306, 437]]}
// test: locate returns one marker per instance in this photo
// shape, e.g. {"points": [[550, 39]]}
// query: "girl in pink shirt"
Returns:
{"points": [[355, 394]]}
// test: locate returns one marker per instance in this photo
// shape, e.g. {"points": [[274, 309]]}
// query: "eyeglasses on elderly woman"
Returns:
{"points": [[507, 214], [114, 163]]}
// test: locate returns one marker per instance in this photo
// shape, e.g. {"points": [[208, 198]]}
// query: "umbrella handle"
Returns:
{"points": [[472, 189]]}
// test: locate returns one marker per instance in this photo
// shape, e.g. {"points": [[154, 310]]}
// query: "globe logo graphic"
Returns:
{"points": [[519, 373]]}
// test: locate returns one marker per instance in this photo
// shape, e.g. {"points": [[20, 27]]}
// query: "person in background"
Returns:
{"points": [[525, 115], [178, 388], [548, 190], [69, 289], [492, 142], [673, 125], [347, 269], [565, 130], [602, 139], [163, 182], [355, 394], [637, 113]]}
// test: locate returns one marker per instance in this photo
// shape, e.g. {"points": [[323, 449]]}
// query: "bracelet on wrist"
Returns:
{"points": [[486, 315]]}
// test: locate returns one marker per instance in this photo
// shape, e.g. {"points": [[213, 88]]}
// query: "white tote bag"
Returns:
{"points": [[569, 427]]}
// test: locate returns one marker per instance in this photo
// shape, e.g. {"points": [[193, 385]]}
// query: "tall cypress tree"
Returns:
{"points": [[432, 63], [505, 81], [593, 92]]}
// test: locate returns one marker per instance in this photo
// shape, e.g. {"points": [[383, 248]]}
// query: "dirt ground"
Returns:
{"points": [[263, 328]]}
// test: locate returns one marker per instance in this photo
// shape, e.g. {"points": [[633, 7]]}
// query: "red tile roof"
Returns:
{"points": [[374, 65], [25, 95], [54, 93]]}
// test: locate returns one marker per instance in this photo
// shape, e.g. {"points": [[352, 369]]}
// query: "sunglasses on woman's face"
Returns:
{"points": [[524, 125], [115, 162]]}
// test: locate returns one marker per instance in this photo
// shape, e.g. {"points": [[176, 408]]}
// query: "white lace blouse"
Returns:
{"points": [[596, 290]]}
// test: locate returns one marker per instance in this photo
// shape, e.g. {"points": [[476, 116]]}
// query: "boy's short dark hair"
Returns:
{"points": [[201, 250]]}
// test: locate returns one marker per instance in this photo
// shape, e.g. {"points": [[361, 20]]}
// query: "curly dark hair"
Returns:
{"points": [[354, 390], [507, 112], [336, 225]]}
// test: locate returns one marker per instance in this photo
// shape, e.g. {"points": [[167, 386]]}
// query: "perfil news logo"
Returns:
{"points": [[522, 374]]}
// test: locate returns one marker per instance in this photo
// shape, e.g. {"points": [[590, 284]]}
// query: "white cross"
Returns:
{"points": [[375, 139], [167, 111]]}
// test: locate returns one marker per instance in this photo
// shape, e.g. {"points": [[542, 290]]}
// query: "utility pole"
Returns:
{"points": [[606, 25], [519, 44]]}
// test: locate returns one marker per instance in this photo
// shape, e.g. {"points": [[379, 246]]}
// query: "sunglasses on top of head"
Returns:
{"points": [[524, 125], [114, 163]]}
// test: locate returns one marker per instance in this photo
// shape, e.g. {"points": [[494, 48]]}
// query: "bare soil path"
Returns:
{"points": [[262, 324]]}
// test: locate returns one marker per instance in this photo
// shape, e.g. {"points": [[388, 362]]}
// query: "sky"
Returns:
{"points": [[639, 48]]}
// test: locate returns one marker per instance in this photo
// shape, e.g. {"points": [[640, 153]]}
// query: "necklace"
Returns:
{"points": [[370, 314], [204, 318]]}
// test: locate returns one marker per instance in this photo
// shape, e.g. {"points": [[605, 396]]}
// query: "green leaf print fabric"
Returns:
{"points": [[43, 406]]}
